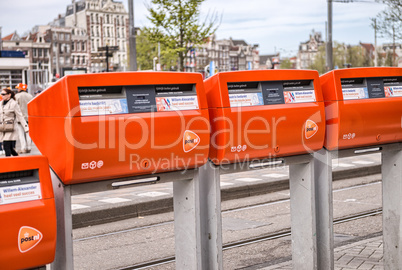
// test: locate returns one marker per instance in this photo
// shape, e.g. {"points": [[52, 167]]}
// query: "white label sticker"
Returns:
{"points": [[246, 99], [20, 193], [355, 93], [176, 103]]}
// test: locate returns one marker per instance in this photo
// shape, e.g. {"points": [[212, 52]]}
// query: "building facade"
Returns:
{"points": [[106, 24], [308, 50], [80, 51], [227, 54], [37, 49], [391, 50]]}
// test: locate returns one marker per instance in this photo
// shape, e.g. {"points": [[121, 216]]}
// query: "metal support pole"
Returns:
{"points": [[131, 38], [64, 247], [392, 208], [303, 220], [107, 58], [324, 209], [330, 64], [187, 223], [211, 217]]}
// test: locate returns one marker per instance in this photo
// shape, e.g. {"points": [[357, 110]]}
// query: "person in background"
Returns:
{"points": [[23, 97], [10, 112]]}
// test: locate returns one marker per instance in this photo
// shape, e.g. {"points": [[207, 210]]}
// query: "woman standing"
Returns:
{"points": [[10, 115]]}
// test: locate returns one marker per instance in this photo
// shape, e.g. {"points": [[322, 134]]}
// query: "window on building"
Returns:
{"points": [[83, 46], [97, 18], [97, 31], [54, 61], [92, 18], [78, 60], [61, 36], [67, 60], [67, 48], [73, 46], [92, 45], [92, 30], [61, 60], [40, 52], [73, 60], [54, 36], [67, 36], [61, 48], [83, 60]]}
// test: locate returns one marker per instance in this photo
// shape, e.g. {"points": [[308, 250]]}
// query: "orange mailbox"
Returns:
{"points": [[113, 125], [27, 213], [363, 106], [264, 114]]}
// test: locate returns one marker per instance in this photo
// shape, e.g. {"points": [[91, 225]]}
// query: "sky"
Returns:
{"points": [[275, 25]]}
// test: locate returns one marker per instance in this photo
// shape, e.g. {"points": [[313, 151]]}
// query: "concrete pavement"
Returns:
{"points": [[366, 254]]}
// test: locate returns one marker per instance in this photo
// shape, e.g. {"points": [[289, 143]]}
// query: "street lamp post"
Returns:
{"points": [[131, 39], [330, 64]]}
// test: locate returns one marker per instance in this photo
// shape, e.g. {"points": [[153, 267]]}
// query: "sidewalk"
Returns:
{"points": [[365, 254]]}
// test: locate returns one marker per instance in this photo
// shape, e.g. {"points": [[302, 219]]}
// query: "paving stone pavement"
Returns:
{"points": [[366, 254]]}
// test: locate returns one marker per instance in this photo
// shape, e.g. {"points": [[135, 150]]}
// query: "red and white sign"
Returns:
{"points": [[394, 91], [176, 103], [299, 96]]}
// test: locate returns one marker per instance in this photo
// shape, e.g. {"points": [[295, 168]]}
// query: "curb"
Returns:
{"points": [[101, 215]]}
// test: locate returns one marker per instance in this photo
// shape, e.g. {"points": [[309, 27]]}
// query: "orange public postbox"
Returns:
{"points": [[27, 213], [264, 114], [112, 125], [363, 106]]}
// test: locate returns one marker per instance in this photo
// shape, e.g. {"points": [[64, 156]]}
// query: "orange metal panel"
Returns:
{"points": [[362, 119], [29, 227], [84, 148], [245, 133]]}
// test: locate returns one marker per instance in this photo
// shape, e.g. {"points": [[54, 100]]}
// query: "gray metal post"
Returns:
{"points": [[187, 223], [131, 38], [324, 209], [392, 208], [303, 220], [330, 64], [211, 217], [64, 247]]}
